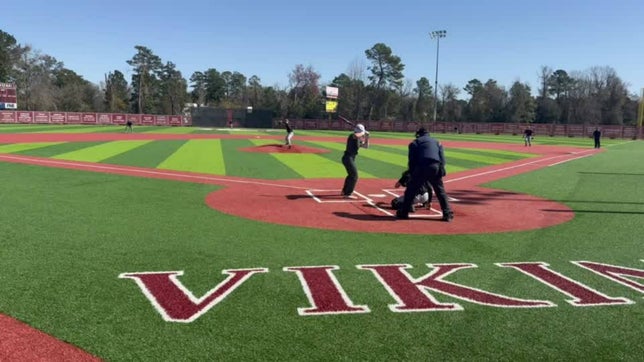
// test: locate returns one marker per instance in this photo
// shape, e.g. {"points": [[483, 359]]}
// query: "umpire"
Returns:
{"points": [[426, 164]]}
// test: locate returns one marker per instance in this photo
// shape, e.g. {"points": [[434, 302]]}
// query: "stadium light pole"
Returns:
{"points": [[437, 34]]}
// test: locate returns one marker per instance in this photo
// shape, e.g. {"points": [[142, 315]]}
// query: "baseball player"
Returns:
{"points": [[289, 133], [423, 198], [354, 142]]}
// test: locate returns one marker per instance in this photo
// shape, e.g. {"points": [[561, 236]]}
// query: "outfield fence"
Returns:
{"points": [[539, 129], [263, 120], [91, 118]]}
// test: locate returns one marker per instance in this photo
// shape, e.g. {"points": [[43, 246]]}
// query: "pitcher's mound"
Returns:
{"points": [[279, 148]]}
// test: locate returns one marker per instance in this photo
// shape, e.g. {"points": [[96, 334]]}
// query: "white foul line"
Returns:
{"points": [[134, 172], [513, 167]]}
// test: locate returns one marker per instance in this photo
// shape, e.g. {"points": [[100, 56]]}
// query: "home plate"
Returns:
{"points": [[377, 195]]}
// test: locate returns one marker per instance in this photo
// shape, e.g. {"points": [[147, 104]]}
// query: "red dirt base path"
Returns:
{"points": [[19, 342]]}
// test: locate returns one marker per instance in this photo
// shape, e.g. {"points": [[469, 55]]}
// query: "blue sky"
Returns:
{"points": [[500, 39]]}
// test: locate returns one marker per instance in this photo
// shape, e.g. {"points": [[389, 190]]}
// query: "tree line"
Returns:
{"points": [[374, 88]]}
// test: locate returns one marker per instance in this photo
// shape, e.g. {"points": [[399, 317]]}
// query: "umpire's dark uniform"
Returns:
{"points": [[426, 164], [349, 162]]}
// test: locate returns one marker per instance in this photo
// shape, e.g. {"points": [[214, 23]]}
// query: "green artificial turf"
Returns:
{"points": [[66, 236]]}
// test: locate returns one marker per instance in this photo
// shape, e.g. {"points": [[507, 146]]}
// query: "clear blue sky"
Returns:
{"points": [[505, 40]]}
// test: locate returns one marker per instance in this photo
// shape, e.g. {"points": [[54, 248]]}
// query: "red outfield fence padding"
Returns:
{"points": [[539, 129], [26, 117]]}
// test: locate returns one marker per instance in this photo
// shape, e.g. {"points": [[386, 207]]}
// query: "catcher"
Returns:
{"points": [[423, 198]]}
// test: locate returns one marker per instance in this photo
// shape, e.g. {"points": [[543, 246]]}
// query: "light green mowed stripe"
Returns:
{"points": [[101, 152], [204, 156], [18, 147]]}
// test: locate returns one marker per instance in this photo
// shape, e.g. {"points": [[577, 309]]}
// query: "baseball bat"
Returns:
{"points": [[347, 121]]}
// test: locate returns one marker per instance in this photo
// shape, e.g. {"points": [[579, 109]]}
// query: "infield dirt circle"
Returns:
{"points": [[316, 203]]}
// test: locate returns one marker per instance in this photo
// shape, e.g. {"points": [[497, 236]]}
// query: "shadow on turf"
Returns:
{"points": [[364, 217]]}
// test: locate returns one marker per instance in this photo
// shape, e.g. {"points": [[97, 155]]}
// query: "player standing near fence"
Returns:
{"points": [[128, 126], [527, 137], [597, 135]]}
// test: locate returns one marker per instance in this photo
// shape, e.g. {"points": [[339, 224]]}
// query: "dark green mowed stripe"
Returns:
{"points": [[58, 149], [148, 155], [253, 164]]}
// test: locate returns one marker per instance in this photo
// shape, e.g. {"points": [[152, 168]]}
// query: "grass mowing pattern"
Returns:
{"points": [[62, 254], [311, 165], [150, 154], [253, 164], [66, 235], [101, 151], [203, 156], [57, 149], [17, 147]]}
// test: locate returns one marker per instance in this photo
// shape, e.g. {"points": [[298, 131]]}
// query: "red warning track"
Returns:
{"points": [[315, 203]]}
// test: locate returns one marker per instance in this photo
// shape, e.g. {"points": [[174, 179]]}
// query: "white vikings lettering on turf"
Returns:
{"points": [[176, 303]]}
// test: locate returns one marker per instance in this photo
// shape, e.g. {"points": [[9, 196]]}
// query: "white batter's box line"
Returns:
{"points": [[318, 197], [394, 193]]}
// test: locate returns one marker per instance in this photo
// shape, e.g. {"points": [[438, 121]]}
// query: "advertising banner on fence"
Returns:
{"points": [[174, 120], [89, 118], [25, 117], [103, 118], [161, 120], [41, 117], [147, 120], [7, 117], [134, 118], [74, 118], [57, 117], [117, 118]]}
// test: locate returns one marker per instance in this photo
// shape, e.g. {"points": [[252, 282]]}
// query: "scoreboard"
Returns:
{"points": [[8, 96]]}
